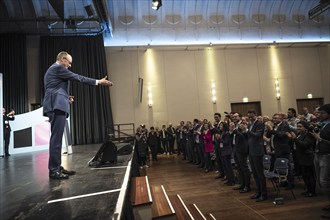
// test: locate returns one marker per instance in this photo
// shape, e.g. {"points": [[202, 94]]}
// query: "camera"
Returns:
{"points": [[316, 129]]}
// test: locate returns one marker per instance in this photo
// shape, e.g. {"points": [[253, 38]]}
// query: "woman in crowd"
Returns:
{"points": [[208, 146], [225, 154], [304, 143]]}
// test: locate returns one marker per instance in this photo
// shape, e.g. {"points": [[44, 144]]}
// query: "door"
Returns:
{"points": [[309, 103], [244, 107]]}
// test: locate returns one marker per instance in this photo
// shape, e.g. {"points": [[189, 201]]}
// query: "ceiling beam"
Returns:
{"points": [[58, 6]]}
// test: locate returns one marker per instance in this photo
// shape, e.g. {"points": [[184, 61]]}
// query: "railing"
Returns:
{"points": [[121, 132]]}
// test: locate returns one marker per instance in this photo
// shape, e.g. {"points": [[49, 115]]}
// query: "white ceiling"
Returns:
{"points": [[177, 22]]}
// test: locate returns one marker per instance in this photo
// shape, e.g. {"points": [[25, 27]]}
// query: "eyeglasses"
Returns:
{"points": [[68, 60]]}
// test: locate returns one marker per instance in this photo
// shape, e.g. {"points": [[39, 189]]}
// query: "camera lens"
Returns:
{"points": [[316, 130]]}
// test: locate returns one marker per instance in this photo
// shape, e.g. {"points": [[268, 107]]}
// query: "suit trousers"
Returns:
{"points": [[243, 169], [256, 163], [57, 121], [7, 139], [218, 158]]}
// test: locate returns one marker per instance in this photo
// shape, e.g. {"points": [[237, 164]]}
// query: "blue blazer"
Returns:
{"points": [[56, 83]]}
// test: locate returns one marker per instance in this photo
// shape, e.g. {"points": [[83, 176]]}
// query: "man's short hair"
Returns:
{"points": [[62, 54], [218, 114]]}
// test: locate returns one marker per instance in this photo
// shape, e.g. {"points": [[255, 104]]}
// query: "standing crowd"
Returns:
{"points": [[236, 147]]}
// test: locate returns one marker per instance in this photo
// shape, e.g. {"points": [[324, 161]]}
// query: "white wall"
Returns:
{"points": [[181, 80]]}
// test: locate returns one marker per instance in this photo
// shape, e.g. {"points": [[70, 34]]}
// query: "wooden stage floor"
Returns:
{"points": [[27, 192], [212, 196]]}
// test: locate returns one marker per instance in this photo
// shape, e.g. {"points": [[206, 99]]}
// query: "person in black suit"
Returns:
{"points": [[255, 133], [163, 135], [56, 107], [304, 143], [241, 153], [6, 128], [153, 143], [279, 136], [216, 133], [322, 156], [171, 138]]}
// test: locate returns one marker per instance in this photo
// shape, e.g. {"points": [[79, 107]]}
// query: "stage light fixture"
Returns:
{"points": [[319, 9], [277, 89], [156, 4], [214, 97]]}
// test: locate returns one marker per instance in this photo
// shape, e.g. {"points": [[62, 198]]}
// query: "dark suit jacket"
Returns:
{"points": [[255, 139], [324, 146], [305, 144], [7, 118], [226, 141], [56, 83], [241, 142], [281, 140]]}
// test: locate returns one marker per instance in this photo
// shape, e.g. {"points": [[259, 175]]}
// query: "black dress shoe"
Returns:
{"points": [[7, 155], [261, 198], [327, 208], [245, 190], [58, 176], [207, 170], [238, 188], [68, 172], [255, 196], [218, 177]]}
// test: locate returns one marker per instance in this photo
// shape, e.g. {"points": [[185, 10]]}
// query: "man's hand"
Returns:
{"points": [[105, 82], [71, 99]]}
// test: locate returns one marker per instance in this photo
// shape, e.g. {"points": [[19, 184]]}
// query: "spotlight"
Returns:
{"points": [[156, 4]]}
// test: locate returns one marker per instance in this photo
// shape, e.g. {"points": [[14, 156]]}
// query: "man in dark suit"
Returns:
{"points": [[322, 156], [280, 142], [6, 128], [241, 153], [255, 133], [56, 107], [171, 138]]}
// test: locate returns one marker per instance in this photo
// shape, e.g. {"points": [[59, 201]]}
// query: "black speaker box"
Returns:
{"points": [[124, 148]]}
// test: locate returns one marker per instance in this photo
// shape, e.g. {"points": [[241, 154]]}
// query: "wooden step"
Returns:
{"points": [[195, 212], [181, 210], [140, 191], [210, 217], [161, 206]]}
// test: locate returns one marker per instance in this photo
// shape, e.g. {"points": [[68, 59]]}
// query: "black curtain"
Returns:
{"points": [[91, 111], [13, 66]]}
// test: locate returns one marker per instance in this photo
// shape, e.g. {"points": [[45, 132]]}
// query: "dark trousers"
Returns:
{"points": [[200, 152], [183, 148], [57, 121], [243, 169], [309, 177], [256, 163], [171, 144], [218, 159], [229, 172], [207, 159], [7, 139], [154, 151], [165, 145]]}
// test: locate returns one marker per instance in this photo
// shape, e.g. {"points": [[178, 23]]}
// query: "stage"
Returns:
{"points": [[93, 193]]}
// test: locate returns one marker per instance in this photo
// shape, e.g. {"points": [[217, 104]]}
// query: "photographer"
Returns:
{"points": [[304, 143], [141, 138], [6, 128], [322, 154]]}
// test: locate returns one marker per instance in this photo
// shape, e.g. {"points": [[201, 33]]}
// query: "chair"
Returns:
{"points": [[267, 163], [279, 174]]}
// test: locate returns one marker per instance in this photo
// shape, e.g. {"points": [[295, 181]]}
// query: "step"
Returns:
{"points": [[181, 210], [161, 206], [195, 212], [140, 191]]}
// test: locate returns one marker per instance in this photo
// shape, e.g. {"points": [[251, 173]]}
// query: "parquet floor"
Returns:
{"points": [[212, 196]]}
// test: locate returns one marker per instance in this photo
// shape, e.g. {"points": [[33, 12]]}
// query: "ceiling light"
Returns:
{"points": [[156, 4]]}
